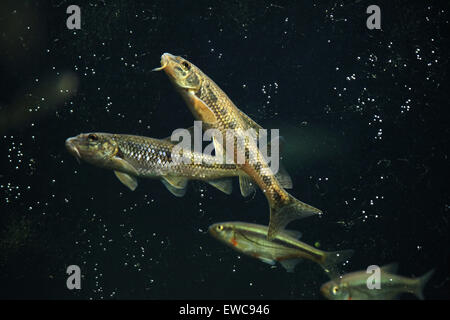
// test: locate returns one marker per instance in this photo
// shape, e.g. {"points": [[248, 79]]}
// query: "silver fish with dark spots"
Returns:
{"points": [[132, 157]]}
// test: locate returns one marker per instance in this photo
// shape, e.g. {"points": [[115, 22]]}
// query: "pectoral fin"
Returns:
{"points": [[126, 179], [225, 185], [203, 112], [125, 166]]}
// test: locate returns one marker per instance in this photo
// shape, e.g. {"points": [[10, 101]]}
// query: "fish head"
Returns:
{"points": [[181, 72], [222, 231], [94, 148], [335, 290]]}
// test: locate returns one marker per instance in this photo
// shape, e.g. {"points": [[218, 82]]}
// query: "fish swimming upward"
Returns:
{"points": [[212, 106], [353, 286], [285, 248], [134, 156]]}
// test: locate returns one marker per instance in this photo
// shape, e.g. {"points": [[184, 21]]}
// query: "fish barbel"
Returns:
{"points": [[135, 156], [251, 239], [210, 104]]}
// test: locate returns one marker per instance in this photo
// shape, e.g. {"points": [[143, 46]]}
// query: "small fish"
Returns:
{"points": [[135, 156], [214, 108], [285, 248], [353, 286]]}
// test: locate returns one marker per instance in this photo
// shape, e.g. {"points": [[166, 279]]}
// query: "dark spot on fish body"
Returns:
{"points": [[247, 154], [192, 78], [120, 153], [266, 180], [276, 196], [223, 111], [212, 99], [232, 124], [199, 93]]}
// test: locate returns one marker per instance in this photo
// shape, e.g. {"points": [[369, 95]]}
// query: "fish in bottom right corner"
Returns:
{"points": [[362, 285]]}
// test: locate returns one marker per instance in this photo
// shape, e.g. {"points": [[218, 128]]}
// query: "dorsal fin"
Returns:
{"points": [[191, 132], [390, 268]]}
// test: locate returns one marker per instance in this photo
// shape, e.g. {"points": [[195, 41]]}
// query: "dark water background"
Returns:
{"points": [[363, 112]]}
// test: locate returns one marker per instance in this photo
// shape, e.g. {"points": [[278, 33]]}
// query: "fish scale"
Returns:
{"points": [[153, 156], [132, 156]]}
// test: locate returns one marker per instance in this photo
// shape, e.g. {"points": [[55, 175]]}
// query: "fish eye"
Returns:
{"points": [[92, 137], [335, 290], [220, 227], [186, 65]]}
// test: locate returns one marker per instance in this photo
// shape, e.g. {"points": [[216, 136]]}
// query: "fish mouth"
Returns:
{"points": [[211, 230], [73, 150], [323, 292], [324, 289], [165, 58]]}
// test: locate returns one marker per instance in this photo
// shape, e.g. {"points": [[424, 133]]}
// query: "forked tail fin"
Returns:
{"points": [[281, 215], [422, 281], [333, 261]]}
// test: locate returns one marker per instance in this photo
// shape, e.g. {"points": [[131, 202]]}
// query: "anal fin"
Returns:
{"points": [[247, 185], [290, 264], [283, 177]]}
